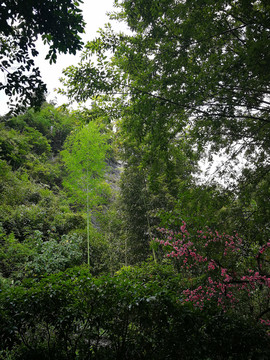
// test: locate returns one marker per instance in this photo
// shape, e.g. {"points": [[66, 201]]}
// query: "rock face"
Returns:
{"points": [[113, 174]]}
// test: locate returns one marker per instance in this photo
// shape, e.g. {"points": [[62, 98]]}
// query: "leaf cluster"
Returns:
{"points": [[59, 24]]}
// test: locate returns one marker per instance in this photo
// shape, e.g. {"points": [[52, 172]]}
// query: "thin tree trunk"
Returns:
{"points": [[88, 240]]}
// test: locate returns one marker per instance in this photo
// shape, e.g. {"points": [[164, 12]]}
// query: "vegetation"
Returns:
{"points": [[84, 158], [59, 24], [113, 245]]}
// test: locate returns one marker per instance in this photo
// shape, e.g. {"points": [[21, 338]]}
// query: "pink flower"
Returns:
{"points": [[223, 271], [211, 266]]}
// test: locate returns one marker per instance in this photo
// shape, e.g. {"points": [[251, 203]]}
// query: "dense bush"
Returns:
{"points": [[72, 315], [35, 257]]}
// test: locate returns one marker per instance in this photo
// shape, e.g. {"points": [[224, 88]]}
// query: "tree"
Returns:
{"points": [[84, 158], [221, 268], [59, 24], [189, 69], [200, 64]]}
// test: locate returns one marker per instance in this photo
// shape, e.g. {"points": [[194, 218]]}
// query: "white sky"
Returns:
{"points": [[94, 13]]}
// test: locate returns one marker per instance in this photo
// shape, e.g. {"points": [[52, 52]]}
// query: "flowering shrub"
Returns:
{"points": [[221, 268]]}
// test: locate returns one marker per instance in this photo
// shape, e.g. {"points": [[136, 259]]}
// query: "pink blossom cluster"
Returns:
{"points": [[213, 290], [263, 248], [265, 322], [223, 284]]}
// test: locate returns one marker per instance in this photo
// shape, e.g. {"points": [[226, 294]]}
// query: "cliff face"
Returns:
{"points": [[113, 174]]}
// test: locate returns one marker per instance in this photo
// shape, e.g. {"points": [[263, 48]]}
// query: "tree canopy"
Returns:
{"points": [[200, 64], [59, 23], [189, 72]]}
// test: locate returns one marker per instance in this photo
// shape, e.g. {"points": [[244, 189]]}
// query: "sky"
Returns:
{"points": [[94, 13]]}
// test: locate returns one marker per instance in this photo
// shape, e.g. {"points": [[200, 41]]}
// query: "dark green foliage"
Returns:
{"points": [[74, 316], [53, 123], [13, 255], [200, 206], [135, 208], [32, 207], [53, 256], [251, 212], [16, 147], [34, 257], [149, 185], [59, 23]]}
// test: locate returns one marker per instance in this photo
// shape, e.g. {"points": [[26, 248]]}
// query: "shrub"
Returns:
{"points": [[72, 315]]}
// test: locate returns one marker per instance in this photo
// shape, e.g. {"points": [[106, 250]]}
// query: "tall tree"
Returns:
{"points": [[201, 64], [59, 23], [194, 69], [84, 158]]}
